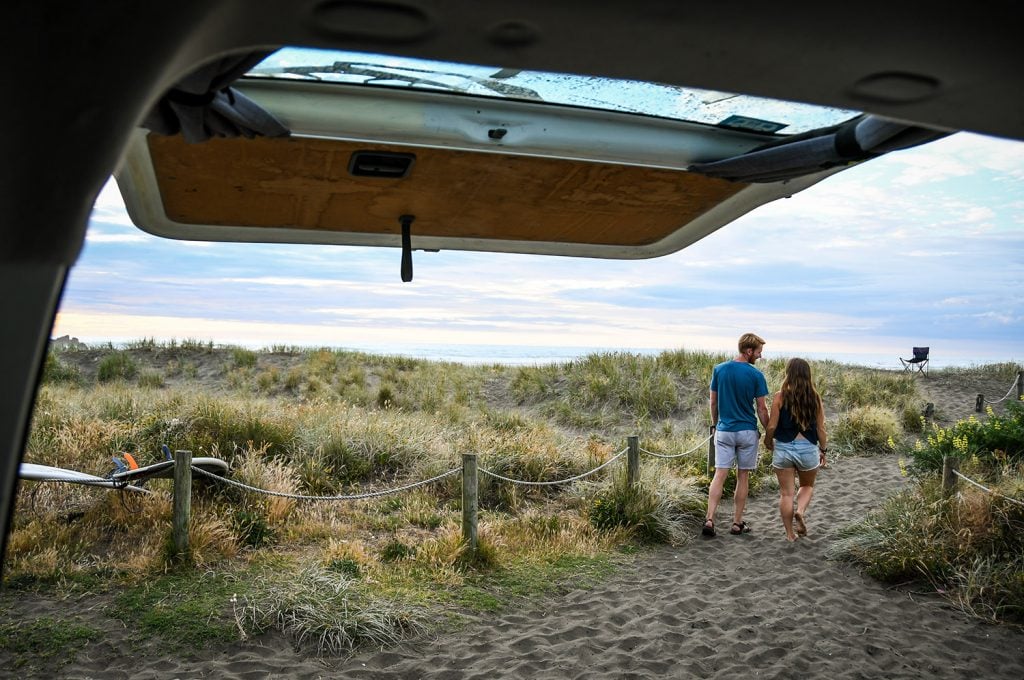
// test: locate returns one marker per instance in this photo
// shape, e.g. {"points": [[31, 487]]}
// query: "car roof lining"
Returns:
{"points": [[306, 184]]}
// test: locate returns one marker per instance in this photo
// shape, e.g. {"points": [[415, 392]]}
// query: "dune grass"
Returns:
{"points": [[969, 544], [330, 422]]}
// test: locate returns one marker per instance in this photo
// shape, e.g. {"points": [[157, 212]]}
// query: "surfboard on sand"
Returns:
{"points": [[118, 480], [48, 473], [165, 469]]}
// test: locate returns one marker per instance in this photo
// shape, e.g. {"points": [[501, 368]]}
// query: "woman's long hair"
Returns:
{"points": [[799, 395]]}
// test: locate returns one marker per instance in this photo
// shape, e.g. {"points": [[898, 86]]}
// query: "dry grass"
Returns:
{"points": [[326, 423]]}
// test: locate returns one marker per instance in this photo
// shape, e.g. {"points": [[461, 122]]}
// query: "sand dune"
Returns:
{"points": [[751, 606]]}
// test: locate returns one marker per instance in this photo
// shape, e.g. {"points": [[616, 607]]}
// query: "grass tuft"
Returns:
{"points": [[324, 609]]}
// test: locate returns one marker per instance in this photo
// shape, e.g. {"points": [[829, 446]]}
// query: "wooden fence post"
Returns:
{"points": [[949, 468], [469, 488], [979, 403], [632, 461], [1020, 385], [182, 501], [711, 451]]}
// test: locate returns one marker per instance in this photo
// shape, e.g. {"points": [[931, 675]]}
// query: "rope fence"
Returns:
{"points": [[300, 497], [1018, 383], [950, 474], [674, 455], [557, 481], [184, 471]]}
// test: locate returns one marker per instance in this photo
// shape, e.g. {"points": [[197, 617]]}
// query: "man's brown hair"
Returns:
{"points": [[750, 341]]}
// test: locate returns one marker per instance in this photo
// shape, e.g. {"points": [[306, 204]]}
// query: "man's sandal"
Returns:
{"points": [[709, 527], [739, 528]]}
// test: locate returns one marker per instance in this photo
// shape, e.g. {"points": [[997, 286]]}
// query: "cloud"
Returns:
{"points": [[920, 246], [98, 237]]}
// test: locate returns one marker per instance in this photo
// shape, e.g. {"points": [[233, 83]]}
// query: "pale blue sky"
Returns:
{"points": [[921, 247]]}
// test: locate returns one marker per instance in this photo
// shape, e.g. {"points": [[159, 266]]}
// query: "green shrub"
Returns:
{"points": [[969, 546], [913, 419], [396, 550], [323, 363], [385, 397], [116, 366], [346, 567], [251, 527], [243, 358], [996, 440], [866, 429], [650, 516], [534, 383], [56, 371], [229, 426]]}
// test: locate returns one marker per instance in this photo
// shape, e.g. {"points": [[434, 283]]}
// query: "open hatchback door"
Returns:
{"points": [[373, 150]]}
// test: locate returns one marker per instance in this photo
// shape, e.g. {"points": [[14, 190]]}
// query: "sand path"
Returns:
{"points": [[749, 606]]}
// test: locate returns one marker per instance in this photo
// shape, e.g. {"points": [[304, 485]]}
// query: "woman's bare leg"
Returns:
{"points": [[786, 476], [803, 497]]}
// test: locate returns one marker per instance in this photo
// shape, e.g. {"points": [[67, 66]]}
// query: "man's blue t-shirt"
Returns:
{"points": [[738, 384]]}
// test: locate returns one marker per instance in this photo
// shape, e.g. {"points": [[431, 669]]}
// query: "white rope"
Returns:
{"points": [[1007, 392], [994, 493], [351, 497], [675, 455], [560, 481]]}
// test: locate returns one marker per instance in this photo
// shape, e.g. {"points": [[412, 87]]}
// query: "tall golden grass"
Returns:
{"points": [[328, 422]]}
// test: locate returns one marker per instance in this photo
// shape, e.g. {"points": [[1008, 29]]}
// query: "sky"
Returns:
{"points": [[921, 247]]}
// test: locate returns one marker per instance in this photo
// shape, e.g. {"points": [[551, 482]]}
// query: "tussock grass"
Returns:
{"points": [[970, 545], [330, 422], [324, 609], [969, 548], [866, 429], [118, 365]]}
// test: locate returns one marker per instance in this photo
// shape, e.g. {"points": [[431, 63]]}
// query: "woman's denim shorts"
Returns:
{"points": [[799, 453]]}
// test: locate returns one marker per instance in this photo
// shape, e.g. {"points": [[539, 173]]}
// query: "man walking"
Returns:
{"points": [[736, 386]]}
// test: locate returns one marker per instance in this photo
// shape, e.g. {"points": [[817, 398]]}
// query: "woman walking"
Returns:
{"points": [[796, 436]]}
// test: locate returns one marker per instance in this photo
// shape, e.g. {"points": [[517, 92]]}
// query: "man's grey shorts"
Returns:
{"points": [[736, 448]]}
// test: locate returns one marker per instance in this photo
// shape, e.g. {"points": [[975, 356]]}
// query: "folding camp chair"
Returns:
{"points": [[920, 361]]}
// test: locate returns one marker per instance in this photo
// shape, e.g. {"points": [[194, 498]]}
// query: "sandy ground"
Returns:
{"points": [[750, 606]]}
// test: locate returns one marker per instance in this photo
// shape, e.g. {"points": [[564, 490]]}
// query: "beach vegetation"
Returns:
{"points": [[968, 548], [57, 371], [994, 439], [183, 610], [327, 422], [866, 429], [323, 609], [659, 508], [966, 542], [116, 366], [242, 357], [151, 379], [44, 640]]}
